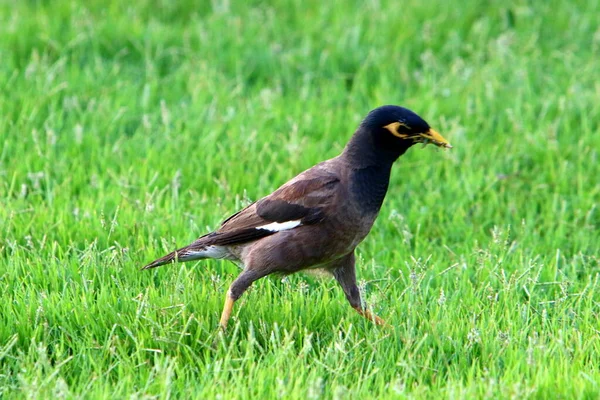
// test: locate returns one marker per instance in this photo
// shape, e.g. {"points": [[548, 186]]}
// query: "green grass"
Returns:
{"points": [[129, 129]]}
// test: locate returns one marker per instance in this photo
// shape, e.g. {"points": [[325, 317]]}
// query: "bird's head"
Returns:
{"points": [[397, 127]]}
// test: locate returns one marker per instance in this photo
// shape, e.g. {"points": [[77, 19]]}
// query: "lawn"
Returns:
{"points": [[130, 128]]}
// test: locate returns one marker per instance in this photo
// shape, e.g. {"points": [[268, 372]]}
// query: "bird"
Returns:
{"points": [[317, 219]]}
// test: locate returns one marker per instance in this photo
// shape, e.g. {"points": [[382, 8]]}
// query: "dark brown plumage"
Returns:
{"points": [[317, 219]]}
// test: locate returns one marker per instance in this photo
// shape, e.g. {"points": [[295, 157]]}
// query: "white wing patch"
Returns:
{"points": [[280, 226]]}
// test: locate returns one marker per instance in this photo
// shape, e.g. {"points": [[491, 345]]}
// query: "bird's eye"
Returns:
{"points": [[403, 128]]}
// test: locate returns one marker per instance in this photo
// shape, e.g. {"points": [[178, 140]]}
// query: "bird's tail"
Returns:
{"points": [[169, 258], [200, 249]]}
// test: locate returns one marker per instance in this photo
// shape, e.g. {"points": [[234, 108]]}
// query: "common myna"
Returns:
{"points": [[317, 219]]}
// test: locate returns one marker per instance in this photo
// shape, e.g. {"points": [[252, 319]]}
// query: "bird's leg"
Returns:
{"points": [[344, 272], [237, 288], [227, 308]]}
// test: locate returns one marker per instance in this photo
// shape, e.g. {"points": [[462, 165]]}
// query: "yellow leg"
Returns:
{"points": [[226, 311], [370, 316]]}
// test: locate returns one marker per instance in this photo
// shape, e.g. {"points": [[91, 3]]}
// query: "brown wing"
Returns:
{"points": [[302, 201]]}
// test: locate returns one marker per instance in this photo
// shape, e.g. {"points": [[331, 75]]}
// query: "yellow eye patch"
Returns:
{"points": [[394, 128]]}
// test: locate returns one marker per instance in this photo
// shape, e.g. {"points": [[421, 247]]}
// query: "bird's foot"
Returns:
{"points": [[370, 316]]}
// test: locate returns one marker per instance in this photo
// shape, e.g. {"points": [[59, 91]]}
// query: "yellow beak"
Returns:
{"points": [[436, 139]]}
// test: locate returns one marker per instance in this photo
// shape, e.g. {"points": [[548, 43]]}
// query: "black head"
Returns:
{"points": [[386, 133], [397, 127]]}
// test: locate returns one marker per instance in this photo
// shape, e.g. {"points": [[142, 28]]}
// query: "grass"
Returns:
{"points": [[130, 128]]}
